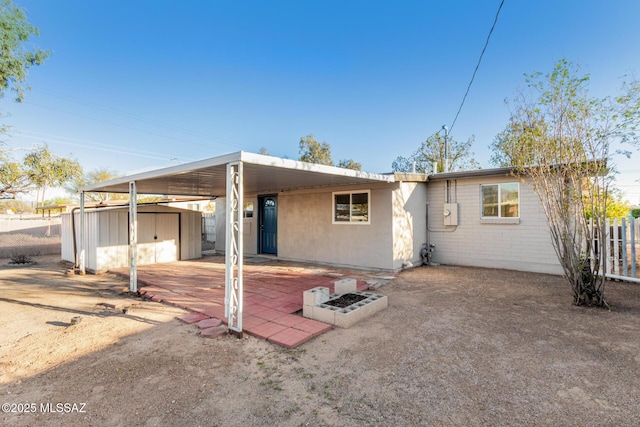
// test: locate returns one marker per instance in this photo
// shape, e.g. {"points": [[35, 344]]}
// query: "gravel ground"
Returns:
{"points": [[456, 346]]}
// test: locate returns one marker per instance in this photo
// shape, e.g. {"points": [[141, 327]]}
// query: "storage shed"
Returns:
{"points": [[165, 234]]}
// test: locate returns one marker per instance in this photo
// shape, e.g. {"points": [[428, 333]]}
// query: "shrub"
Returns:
{"points": [[20, 256]]}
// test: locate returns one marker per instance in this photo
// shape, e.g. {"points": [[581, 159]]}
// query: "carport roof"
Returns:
{"points": [[261, 174]]}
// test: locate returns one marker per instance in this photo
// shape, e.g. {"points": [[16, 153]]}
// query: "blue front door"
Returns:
{"points": [[268, 217]]}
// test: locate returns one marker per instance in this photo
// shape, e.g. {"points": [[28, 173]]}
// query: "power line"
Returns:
{"points": [[486, 43], [95, 146], [180, 140], [136, 117]]}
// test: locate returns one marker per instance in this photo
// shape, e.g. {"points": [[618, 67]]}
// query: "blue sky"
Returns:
{"points": [[136, 85]]}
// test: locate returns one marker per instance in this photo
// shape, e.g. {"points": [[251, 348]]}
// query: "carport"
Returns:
{"points": [[228, 176]]}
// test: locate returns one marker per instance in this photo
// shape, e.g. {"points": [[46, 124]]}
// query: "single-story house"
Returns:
{"points": [[472, 226], [306, 212], [300, 211]]}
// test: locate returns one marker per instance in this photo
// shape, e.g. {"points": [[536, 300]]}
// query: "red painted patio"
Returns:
{"points": [[272, 293]]}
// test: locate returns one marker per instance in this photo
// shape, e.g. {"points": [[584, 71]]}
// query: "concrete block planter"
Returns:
{"points": [[367, 304], [345, 286]]}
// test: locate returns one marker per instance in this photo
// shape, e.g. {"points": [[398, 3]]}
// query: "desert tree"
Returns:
{"points": [[616, 205], [432, 151], [13, 179], [94, 177], [313, 151], [17, 54], [563, 141], [45, 170], [349, 164]]}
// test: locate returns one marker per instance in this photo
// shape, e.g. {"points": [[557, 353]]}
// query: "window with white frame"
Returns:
{"points": [[500, 200], [351, 207]]}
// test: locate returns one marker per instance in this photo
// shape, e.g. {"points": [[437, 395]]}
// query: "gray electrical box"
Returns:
{"points": [[450, 214]]}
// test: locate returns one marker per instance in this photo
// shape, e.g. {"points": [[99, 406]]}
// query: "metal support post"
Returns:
{"points": [[81, 241], [233, 252], [133, 237]]}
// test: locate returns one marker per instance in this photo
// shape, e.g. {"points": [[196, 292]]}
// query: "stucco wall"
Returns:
{"points": [[409, 225], [306, 231], [525, 246]]}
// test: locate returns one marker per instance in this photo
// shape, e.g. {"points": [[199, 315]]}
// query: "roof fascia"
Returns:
{"points": [[172, 170], [472, 174], [261, 159]]}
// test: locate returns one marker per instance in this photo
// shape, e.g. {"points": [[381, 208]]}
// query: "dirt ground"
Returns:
{"points": [[456, 346]]}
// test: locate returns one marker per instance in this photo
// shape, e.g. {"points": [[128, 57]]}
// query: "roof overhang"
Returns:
{"points": [[594, 167], [508, 171], [261, 174]]}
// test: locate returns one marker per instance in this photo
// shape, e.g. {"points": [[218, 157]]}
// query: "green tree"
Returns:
{"points": [[313, 151], [433, 151], [46, 170], [561, 139], [58, 201], [349, 164], [16, 52], [94, 177], [17, 55], [616, 206], [13, 179]]}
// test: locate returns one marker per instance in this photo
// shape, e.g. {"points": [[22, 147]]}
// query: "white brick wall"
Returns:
{"points": [[524, 246]]}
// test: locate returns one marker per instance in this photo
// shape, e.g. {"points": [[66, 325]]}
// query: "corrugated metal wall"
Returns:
{"points": [[107, 241]]}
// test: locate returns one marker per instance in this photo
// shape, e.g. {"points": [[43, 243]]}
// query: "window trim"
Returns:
{"points": [[350, 193], [499, 219]]}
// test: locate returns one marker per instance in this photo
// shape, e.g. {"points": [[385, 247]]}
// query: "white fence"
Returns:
{"points": [[30, 224], [29, 235], [622, 260], [208, 227]]}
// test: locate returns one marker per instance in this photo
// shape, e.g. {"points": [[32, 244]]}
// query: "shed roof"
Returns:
{"points": [[261, 174]]}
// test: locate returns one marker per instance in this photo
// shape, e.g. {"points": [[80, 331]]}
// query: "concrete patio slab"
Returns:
{"points": [[290, 338], [273, 292]]}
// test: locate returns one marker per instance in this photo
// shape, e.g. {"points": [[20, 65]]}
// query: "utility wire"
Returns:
{"points": [[136, 117], [37, 136], [180, 140], [486, 43]]}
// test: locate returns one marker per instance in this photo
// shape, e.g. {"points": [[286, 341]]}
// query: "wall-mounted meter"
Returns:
{"points": [[450, 214]]}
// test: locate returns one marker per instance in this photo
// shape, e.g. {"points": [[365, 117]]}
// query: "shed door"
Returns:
{"points": [[167, 237], [158, 237]]}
